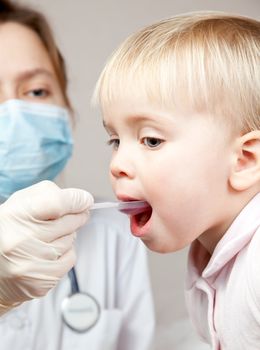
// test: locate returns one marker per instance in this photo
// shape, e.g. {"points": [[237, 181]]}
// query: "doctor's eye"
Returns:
{"points": [[152, 142], [38, 93], [114, 143]]}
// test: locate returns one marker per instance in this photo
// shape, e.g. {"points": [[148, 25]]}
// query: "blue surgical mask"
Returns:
{"points": [[35, 144]]}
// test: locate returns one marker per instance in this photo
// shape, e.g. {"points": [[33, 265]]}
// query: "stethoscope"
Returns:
{"points": [[80, 311]]}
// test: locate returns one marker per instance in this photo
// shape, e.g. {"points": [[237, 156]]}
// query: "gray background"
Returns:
{"points": [[87, 33]]}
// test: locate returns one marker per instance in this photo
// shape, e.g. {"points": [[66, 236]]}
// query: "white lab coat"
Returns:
{"points": [[111, 265]]}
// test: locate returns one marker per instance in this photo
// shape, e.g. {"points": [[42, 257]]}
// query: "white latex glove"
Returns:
{"points": [[37, 231]]}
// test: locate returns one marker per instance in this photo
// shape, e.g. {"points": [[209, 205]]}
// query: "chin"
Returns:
{"points": [[155, 240], [161, 240], [156, 245]]}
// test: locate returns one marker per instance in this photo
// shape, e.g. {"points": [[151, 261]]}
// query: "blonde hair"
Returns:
{"points": [[202, 61]]}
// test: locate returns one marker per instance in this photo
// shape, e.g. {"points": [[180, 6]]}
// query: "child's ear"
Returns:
{"points": [[246, 167]]}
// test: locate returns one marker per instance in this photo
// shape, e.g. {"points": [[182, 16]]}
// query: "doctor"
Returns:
{"points": [[111, 265]]}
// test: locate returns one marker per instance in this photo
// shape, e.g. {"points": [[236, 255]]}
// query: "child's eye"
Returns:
{"points": [[114, 143], [152, 142]]}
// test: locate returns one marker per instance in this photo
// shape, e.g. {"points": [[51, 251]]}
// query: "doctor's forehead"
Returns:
{"points": [[32, 73], [22, 50]]}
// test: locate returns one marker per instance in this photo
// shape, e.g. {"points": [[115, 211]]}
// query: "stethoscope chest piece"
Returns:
{"points": [[80, 311]]}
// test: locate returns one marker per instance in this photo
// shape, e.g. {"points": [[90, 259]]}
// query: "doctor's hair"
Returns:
{"points": [[205, 62], [11, 11]]}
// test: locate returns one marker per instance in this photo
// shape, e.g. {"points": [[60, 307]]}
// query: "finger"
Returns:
{"points": [[46, 201], [55, 229], [56, 269], [32, 251], [36, 201], [49, 269], [63, 244], [62, 266], [46, 274], [76, 200], [60, 202], [40, 188]]}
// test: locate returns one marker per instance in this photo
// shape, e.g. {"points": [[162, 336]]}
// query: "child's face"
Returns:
{"points": [[179, 163]]}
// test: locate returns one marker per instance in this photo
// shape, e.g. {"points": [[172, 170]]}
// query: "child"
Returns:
{"points": [[181, 105]]}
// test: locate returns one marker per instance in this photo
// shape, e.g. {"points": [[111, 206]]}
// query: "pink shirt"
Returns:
{"points": [[223, 293]]}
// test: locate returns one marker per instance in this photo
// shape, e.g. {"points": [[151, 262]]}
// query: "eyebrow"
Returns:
{"points": [[132, 119], [139, 119], [31, 73]]}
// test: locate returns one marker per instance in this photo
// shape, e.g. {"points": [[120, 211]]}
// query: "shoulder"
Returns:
{"points": [[253, 267], [253, 253]]}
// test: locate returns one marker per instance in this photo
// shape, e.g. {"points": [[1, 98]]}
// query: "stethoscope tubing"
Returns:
{"points": [[73, 281]]}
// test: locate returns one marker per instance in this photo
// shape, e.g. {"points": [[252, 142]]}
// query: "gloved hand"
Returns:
{"points": [[37, 230]]}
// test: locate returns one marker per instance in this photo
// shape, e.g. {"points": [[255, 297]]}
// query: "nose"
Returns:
{"points": [[122, 164]]}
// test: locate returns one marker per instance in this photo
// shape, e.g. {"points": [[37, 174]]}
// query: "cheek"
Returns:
{"points": [[56, 97], [112, 181], [185, 184]]}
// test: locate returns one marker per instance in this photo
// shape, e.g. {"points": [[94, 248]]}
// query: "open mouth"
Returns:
{"points": [[139, 217], [142, 216]]}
